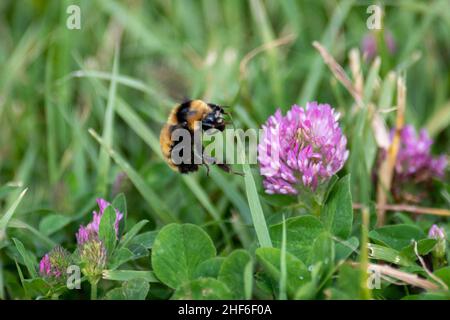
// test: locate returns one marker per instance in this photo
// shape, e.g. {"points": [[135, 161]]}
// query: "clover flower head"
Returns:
{"points": [[54, 264], [414, 159], [302, 149], [93, 257], [439, 234], [89, 232], [91, 250], [436, 233]]}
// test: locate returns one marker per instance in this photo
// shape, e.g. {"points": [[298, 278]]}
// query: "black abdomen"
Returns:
{"points": [[183, 112]]}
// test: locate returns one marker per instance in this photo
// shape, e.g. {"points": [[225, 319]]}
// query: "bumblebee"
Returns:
{"points": [[193, 115]]}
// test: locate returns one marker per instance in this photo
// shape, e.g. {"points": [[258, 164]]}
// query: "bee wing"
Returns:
{"points": [[191, 113]]}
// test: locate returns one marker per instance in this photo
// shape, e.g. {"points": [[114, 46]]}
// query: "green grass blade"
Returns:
{"points": [[439, 120], [370, 80], [134, 24], [127, 275], [50, 115], [420, 30], [23, 173], [123, 80], [317, 66], [9, 213], [46, 241], [283, 267], [2, 282], [365, 292], [266, 33], [9, 187], [27, 259], [26, 50], [21, 277], [107, 136], [387, 91], [259, 221], [132, 233], [233, 194]]}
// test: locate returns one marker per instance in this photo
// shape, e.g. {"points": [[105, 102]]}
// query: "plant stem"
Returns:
{"points": [[317, 208], [93, 290], [2, 291], [409, 208], [308, 201], [436, 262], [283, 269], [364, 256]]}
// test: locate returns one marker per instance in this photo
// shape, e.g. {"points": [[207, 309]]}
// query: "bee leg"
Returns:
{"points": [[210, 160], [207, 169], [206, 161], [228, 169]]}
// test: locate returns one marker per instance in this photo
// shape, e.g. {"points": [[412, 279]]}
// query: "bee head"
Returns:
{"points": [[214, 119]]}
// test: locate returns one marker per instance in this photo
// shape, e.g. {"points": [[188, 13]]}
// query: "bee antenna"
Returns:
{"points": [[238, 173]]}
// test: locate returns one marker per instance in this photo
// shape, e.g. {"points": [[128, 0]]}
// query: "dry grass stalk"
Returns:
{"points": [[386, 171], [409, 208], [424, 266], [380, 131], [266, 46], [355, 67], [339, 73], [408, 278], [356, 89]]}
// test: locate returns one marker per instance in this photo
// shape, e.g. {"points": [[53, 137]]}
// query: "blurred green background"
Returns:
{"points": [[55, 85]]}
